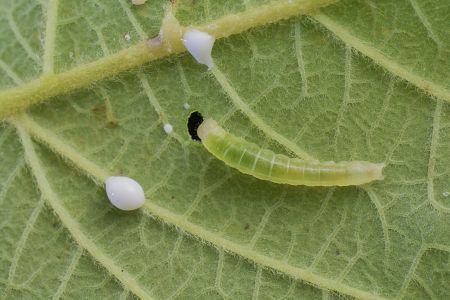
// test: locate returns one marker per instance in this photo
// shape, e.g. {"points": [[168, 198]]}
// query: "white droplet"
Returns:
{"points": [[138, 2], [168, 128], [186, 106], [446, 194], [199, 44], [127, 37], [124, 193]]}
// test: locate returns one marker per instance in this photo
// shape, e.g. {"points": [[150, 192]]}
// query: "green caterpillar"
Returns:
{"points": [[264, 164]]}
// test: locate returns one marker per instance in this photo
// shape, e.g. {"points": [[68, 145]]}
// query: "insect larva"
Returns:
{"points": [[124, 193], [265, 164]]}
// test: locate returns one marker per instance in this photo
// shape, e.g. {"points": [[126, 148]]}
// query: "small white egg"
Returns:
{"points": [[127, 37], [199, 44], [168, 128], [124, 193], [186, 106], [446, 194]]}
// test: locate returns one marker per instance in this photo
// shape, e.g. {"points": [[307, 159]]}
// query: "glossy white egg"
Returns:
{"points": [[124, 193], [200, 45]]}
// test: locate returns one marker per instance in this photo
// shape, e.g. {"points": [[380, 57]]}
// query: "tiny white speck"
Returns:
{"points": [[446, 194], [168, 128], [127, 37], [186, 106]]}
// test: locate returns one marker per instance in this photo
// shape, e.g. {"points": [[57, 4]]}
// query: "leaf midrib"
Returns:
{"points": [[176, 216], [71, 223], [96, 173], [49, 85]]}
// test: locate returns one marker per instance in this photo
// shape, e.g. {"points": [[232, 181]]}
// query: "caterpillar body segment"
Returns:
{"points": [[264, 164]]}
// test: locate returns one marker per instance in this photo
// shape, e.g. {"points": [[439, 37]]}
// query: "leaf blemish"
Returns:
{"points": [[155, 41], [104, 110], [112, 121]]}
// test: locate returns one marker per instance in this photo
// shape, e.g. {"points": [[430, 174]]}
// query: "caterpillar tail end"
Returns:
{"points": [[377, 171]]}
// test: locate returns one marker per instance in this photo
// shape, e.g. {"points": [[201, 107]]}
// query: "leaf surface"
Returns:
{"points": [[355, 80]]}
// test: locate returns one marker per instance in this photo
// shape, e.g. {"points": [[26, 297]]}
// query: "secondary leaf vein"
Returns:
{"points": [[379, 58], [168, 217]]}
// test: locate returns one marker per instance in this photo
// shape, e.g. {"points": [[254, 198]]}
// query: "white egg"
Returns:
{"points": [[186, 106], [168, 128], [199, 44], [124, 193]]}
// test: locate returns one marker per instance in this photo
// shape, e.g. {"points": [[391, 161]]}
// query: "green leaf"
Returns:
{"points": [[357, 80]]}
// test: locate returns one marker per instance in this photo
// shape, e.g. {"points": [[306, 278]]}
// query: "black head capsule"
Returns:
{"points": [[194, 121]]}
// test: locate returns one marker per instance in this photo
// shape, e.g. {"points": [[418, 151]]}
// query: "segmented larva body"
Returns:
{"points": [[266, 165]]}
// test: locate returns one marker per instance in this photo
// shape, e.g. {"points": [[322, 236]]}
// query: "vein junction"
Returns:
{"points": [[28, 127], [49, 85]]}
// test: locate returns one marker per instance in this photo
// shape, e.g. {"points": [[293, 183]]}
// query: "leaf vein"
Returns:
{"points": [[432, 160], [300, 59], [47, 87], [346, 97], [68, 273], [10, 72], [22, 41], [179, 221], [8, 182], [137, 26], [50, 36], [69, 222], [382, 60], [423, 18], [254, 118], [29, 226]]}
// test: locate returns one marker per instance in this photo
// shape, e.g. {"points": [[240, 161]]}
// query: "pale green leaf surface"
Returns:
{"points": [[207, 231], [20, 42]]}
